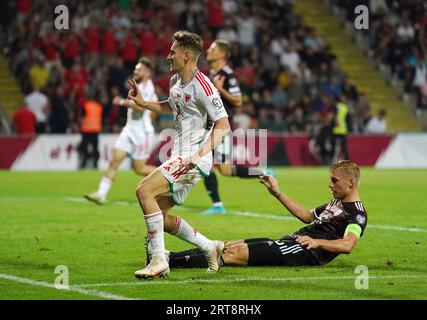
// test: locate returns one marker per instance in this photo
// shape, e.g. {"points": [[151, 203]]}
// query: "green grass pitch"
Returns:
{"points": [[45, 222]]}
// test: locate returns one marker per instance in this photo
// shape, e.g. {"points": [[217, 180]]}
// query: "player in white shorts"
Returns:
{"points": [[137, 137], [192, 100]]}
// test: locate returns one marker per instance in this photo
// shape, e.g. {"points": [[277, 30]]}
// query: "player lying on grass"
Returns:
{"points": [[334, 228]]}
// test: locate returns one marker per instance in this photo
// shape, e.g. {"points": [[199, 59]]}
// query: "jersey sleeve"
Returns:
{"points": [[357, 215], [209, 99], [233, 86]]}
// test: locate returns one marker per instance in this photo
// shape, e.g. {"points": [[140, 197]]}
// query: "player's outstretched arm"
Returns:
{"points": [[119, 101], [140, 104], [299, 211]]}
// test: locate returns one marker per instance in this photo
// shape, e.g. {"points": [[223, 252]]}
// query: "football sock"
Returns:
{"points": [[104, 186], [193, 258], [155, 232], [211, 184], [243, 172], [185, 232]]}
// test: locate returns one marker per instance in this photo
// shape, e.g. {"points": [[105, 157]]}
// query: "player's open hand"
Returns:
{"points": [[134, 94], [271, 184], [307, 241], [218, 82]]}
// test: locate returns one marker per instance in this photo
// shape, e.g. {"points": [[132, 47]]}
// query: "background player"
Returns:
{"points": [[334, 228], [192, 99], [225, 81], [137, 136]]}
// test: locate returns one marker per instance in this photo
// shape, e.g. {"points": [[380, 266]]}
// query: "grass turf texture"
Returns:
{"points": [[44, 222]]}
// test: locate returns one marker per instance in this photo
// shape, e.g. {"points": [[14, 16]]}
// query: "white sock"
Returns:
{"points": [[155, 233], [217, 204], [104, 186], [185, 232]]}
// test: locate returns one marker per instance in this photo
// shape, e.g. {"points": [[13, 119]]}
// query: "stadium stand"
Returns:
{"points": [[396, 44], [291, 73]]}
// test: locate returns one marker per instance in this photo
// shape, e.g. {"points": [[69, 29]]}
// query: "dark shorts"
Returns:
{"points": [[282, 252]]}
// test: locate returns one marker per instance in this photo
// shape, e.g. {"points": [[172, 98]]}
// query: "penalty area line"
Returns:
{"points": [[35, 283], [237, 280]]}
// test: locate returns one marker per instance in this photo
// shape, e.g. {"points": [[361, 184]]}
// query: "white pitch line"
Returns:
{"points": [[100, 294], [255, 215], [169, 282], [277, 217]]}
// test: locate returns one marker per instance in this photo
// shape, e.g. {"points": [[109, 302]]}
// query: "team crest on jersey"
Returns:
{"points": [[187, 98], [361, 219]]}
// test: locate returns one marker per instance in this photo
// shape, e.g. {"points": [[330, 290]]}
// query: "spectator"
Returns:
{"points": [[24, 121], [39, 74], [58, 118], [340, 131], [377, 124], [95, 51], [215, 16], [71, 50], [333, 87], [76, 78], [246, 31], [241, 119], [129, 50], [90, 127], [228, 33], [291, 59], [38, 103], [109, 42]]}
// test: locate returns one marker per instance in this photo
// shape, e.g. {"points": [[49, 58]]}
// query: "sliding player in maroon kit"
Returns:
{"points": [[334, 228]]}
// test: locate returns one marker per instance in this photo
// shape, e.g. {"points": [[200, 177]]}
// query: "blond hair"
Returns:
{"points": [[224, 46], [348, 168], [147, 62]]}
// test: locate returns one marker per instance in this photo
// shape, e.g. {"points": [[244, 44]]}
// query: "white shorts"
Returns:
{"points": [[182, 182], [137, 145]]}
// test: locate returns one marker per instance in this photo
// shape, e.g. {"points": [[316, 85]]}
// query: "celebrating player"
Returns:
{"points": [[192, 99], [227, 85], [334, 228], [136, 138]]}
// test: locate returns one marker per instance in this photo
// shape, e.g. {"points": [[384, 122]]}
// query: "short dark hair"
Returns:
{"points": [[147, 62], [224, 46], [190, 41]]}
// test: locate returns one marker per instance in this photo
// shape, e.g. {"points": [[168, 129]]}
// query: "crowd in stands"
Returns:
{"points": [[290, 79], [398, 36]]}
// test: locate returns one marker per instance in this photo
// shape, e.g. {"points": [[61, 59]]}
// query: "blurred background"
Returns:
{"points": [[296, 62]]}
